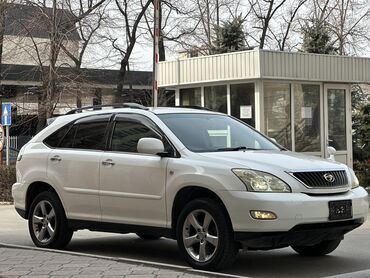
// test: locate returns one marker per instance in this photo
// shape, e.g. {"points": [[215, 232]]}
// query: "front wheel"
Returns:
{"points": [[205, 235], [323, 248], [47, 222]]}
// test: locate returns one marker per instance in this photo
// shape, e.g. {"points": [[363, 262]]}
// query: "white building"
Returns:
{"points": [[26, 36], [302, 100]]}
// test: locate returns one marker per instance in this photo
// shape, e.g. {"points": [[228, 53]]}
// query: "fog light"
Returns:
{"points": [[265, 215]]}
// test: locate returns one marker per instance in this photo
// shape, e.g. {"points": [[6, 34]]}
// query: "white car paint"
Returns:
{"points": [[140, 189]]}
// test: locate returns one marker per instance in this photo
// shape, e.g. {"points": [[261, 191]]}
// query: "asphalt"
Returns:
{"points": [[351, 259]]}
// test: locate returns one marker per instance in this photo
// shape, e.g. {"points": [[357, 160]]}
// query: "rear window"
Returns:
{"points": [[54, 139], [88, 133]]}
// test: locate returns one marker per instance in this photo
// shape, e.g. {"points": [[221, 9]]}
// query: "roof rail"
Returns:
{"points": [[193, 107], [113, 106]]}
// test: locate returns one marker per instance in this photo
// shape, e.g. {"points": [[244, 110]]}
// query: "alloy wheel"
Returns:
{"points": [[200, 235], [44, 221]]}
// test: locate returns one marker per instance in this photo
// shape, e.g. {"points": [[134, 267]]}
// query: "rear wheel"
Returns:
{"points": [[47, 222], [323, 248], [147, 236], [205, 235]]}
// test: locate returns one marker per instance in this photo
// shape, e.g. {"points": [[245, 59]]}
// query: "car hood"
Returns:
{"points": [[277, 160]]}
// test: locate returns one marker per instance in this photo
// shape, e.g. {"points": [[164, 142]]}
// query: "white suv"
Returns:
{"points": [[205, 179]]}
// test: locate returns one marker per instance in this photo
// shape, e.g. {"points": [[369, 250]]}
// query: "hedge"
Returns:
{"points": [[7, 178]]}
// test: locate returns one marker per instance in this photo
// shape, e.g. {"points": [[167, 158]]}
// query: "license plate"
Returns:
{"points": [[340, 210]]}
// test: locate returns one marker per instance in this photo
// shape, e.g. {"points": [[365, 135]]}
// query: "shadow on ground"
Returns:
{"points": [[275, 263]]}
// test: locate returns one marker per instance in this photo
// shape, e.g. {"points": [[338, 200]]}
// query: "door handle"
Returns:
{"points": [[56, 158], [108, 162]]}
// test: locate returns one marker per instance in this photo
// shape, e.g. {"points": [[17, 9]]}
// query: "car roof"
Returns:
{"points": [[150, 110]]}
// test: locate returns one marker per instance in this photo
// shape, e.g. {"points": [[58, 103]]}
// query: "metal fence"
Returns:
{"points": [[17, 142]]}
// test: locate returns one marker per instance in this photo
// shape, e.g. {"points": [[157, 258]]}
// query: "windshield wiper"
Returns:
{"points": [[240, 148]]}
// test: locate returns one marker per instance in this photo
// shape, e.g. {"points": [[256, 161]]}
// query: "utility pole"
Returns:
{"points": [[157, 6]]}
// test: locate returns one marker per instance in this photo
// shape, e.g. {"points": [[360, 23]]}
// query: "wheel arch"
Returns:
{"points": [[34, 189], [188, 193]]}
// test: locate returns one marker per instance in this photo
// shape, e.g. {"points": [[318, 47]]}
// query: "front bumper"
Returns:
{"points": [[292, 209], [304, 234]]}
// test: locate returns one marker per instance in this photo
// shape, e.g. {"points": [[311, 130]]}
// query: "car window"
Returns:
{"points": [[67, 141], [127, 134], [90, 136], [215, 132], [54, 139], [88, 133]]}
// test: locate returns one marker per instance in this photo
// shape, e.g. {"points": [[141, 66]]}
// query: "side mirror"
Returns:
{"points": [[331, 151], [150, 146]]}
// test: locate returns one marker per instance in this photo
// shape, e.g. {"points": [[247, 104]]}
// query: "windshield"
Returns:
{"points": [[212, 132]]}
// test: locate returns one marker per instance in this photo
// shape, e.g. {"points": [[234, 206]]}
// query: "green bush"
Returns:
{"points": [[362, 169], [7, 178]]}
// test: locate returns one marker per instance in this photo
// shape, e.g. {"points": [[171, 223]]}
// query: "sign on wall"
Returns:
{"points": [[245, 111]]}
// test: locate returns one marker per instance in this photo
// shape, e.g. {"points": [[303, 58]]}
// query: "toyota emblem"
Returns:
{"points": [[329, 177]]}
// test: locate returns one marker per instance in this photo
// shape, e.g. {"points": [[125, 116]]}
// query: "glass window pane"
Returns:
{"points": [[54, 139], [307, 118], [127, 134], [69, 138], [215, 98], [278, 113], [190, 97], [90, 136], [214, 133], [337, 118], [242, 102]]}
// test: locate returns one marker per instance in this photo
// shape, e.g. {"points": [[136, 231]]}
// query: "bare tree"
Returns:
{"points": [[264, 11], [349, 23], [61, 26], [87, 29], [132, 14], [289, 20]]}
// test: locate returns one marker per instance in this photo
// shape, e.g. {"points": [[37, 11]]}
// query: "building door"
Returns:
{"points": [[337, 122]]}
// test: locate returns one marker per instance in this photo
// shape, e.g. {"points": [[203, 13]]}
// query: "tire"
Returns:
{"points": [[323, 248], [216, 240], [147, 236], [42, 221]]}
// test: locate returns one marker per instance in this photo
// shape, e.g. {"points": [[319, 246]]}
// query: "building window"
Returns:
{"points": [[242, 102], [337, 119], [307, 118], [277, 106], [190, 97], [215, 98]]}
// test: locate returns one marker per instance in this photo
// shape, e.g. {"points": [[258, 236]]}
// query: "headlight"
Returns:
{"points": [[353, 179], [260, 181]]}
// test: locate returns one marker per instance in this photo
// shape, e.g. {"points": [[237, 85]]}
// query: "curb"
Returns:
{"points": [[185, 269]]}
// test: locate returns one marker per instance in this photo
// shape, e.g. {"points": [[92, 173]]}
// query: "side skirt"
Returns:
{"points": [[118, 228]]}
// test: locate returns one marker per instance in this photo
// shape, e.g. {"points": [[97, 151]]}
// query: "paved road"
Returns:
{"points": [[21, 263], [353, 255]]}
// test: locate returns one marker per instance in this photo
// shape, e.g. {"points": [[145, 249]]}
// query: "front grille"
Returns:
{"points": [[317, 179]]}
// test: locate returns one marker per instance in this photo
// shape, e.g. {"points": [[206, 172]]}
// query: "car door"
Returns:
{"points": [[132, 184], [74, 166]]}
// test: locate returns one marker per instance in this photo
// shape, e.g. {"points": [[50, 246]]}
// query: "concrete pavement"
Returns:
{"points": [[16, 262]]}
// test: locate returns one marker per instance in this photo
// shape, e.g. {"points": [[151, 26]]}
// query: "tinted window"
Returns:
{"points": [[68, 139], [90, 136], [126, 134], [54, 139]]}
